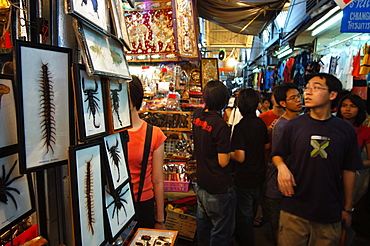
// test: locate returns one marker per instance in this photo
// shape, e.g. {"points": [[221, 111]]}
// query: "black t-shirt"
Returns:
{"points": [[211, 136], [318, 151], [250, 135]]}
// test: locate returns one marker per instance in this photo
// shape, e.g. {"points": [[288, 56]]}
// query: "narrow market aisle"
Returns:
{"points": [[263, 236]]}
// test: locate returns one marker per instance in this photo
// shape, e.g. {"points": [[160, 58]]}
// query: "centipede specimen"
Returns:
{"points": [[89, 195], [47, 108], [114, 154], [115, 102]]}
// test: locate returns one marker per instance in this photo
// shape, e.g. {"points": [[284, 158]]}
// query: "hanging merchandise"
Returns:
{"points": [[300, 63], [356, 65], [160, 31], [288, 70], [269, 83], [365, 67]]}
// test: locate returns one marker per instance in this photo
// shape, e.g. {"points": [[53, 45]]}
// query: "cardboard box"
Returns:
{"points": [[183, 223]]}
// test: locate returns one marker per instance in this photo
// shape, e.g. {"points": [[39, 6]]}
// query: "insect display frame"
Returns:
{"points": [[87, 199], [116, 164], [119, 23], [118, 105], [44, 107], [113, 213], [93, 13], [26, 203], [90, 99], [103, 54], [8, 119]]}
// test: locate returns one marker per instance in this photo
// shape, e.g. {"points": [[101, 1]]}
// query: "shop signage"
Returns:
{"points": [[343, 3], [356, 17]]}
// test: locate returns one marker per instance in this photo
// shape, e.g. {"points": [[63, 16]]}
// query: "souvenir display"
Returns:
{"points": [[209, 70], [117, 169], [118, 106], [92, 12], [119, 22], [102, 54], [120, 210], [8, 123], [145, 237], [44, 126], [90, 102], [87, 198], [16, 196]]}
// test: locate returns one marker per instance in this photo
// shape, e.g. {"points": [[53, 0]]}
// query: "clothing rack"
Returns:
{"points": [[340, 42]]}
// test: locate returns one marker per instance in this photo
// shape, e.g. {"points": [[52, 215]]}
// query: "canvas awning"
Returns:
{"points": [[244, 17]]}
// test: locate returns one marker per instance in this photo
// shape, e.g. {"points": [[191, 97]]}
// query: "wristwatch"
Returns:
{"points": [[349, 211], [160, 222]]}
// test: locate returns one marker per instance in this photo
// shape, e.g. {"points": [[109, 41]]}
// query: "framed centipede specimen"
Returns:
{"points": [[116, 163], [87, 193], [103, 54], [8, 123], [16, 197], [90, 103], [119, 210], [94, 13], [118, 106], [44, 110]]}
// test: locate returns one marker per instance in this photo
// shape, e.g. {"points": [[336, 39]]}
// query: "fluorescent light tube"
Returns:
{"points": [[327, 24]]}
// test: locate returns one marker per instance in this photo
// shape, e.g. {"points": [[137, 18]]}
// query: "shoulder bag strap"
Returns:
{"points": [[144, 162]]}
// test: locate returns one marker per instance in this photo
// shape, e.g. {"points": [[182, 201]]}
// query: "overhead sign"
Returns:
{"points": [[343, 3], [356, 17]]}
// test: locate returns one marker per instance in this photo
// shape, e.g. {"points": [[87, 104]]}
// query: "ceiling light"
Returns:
{"points": [[327, 24], [282, 50], [285, 53], [322, 19]]}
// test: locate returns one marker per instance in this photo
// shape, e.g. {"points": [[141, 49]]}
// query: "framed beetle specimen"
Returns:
{"points": [[44, 108], [92, 12], [120, 210], [102, 54], [16, 196], [8, 123], [87, 194], [117, 169], [90, 101], [118, 105]]}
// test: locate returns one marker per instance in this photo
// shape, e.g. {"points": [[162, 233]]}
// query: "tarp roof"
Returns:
{"points": [[244, 17]]}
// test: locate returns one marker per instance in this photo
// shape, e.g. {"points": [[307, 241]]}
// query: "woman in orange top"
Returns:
{"points": [[153, 191]]}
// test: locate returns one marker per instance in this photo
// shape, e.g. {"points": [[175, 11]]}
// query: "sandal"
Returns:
{"points": [[258, 222]]}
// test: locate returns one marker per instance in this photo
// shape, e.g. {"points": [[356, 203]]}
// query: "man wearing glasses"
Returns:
{"points": [[322, 155], [288, 97]]}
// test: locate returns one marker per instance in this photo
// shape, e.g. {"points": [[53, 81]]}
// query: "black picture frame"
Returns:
{"points": [[87, 188], [119, 211], [103, 54], [116, 165], [93, 13], [44, 107], [8, 119], [90, 100], [23, 205], [119, 23], [118, 106]]}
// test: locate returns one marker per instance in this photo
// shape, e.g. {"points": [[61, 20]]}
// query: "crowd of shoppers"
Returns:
{"points": [[312, 167]]}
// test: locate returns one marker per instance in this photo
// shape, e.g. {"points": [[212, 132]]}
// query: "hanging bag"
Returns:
{"points": [[144, 162]]}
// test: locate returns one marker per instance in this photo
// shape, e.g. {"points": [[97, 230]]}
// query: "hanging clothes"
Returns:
{"points": [[325, 63], [347, 72], [288, 70], [269, 81], [356, 65], [365, 67]]}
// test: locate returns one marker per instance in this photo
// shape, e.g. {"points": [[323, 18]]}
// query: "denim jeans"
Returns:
{"points": [[215, 217], [246, 209]]}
